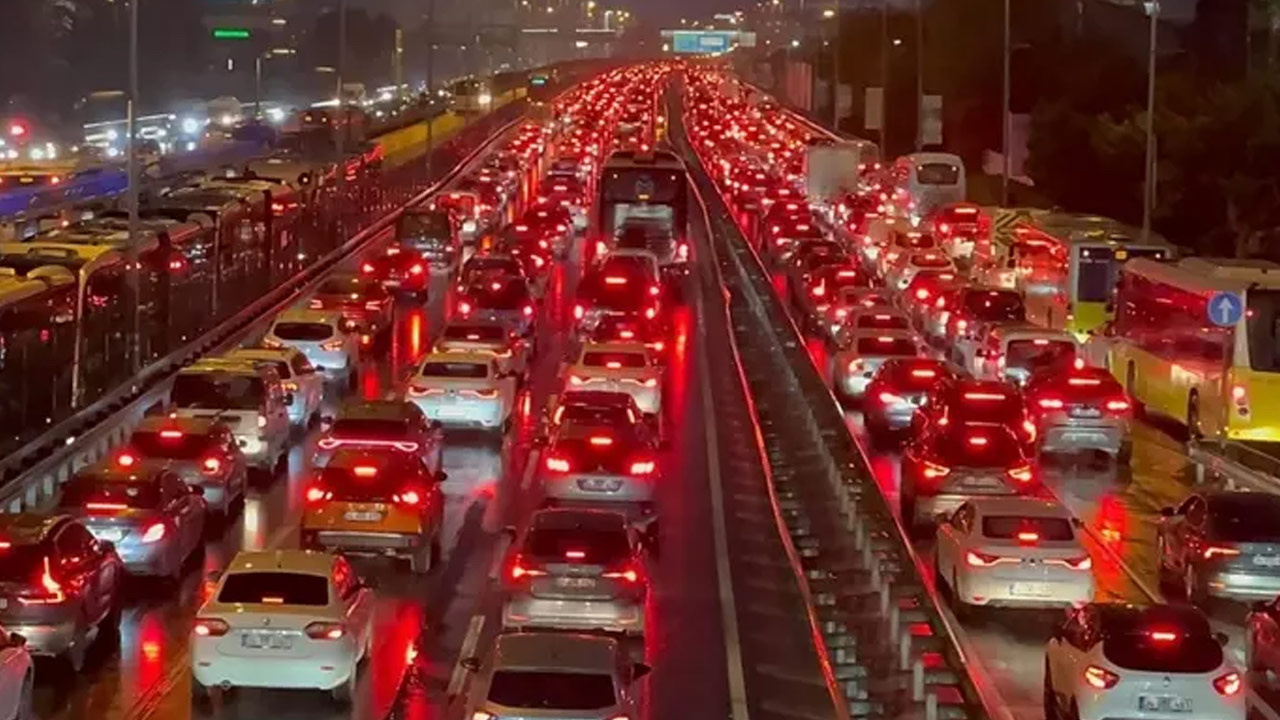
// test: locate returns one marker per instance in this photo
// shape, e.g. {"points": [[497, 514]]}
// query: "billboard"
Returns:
{"points": [[702, 41]]}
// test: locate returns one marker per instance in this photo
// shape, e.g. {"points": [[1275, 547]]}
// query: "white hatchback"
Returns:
{"points": [[466, 389], [321, 336], [288, 619]]}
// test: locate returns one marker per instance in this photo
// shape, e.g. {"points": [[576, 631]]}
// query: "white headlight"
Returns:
{"points": [[190, 126], [112, 135]]}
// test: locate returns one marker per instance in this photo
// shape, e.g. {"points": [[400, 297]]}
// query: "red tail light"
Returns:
{"points": [[1228, 684], [325, 631], [210, 627], [1118, 406], [49, 591], [365, 471], [1022, 473], [1050, 403], [1080, 563], [650, 313], [464, 308], [555, 463], [520, 571], [331, 345], [315, 493], [125, 459], [211, 466], [1100, 678], [1220, 551], [819, 290], [155, 533], [366, 268], [933, 471], [643, 467], [974, 558], [630, 572], [578, 312], [1029, 538], [417, 269], [409, 498], [527, 310], [655, 290]]}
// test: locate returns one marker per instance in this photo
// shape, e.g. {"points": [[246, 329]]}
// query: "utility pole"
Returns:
{"points": [[835, 69], [884, 79], [1149, 175], [397, 61], [257, 86], [432, 95], [132, 256], [343, 111], [919, 77], [1006, 118]]}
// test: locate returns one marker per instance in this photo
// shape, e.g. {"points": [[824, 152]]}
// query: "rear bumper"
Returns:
{"points": [[614, 615], [576, 488], [470, 414], [1067, 437], [316, 672], [368, 542], [1237, 585], [46, 639]]}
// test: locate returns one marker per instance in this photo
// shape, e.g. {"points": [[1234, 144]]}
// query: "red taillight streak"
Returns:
{"points": [[211, 627]]}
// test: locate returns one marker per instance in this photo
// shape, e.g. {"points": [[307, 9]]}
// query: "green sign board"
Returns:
{"points": [[230, 34]]}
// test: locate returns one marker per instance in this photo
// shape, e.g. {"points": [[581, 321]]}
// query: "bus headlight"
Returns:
{"points": [[190, 126]]}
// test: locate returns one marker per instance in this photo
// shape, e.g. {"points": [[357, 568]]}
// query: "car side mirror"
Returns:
{"points": [[17, 639], [440, 476], [470, 664], [288, 399], [639, 670], [1221, 638], [1168, 512], [196, 490]]}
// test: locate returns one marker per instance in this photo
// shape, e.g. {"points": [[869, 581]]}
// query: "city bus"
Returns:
{"points": [[541, 87], [37, 339], [1067, 264], [649, 188], [1179, 363]]}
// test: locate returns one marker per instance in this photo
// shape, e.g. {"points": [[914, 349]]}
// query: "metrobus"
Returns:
{"points": [[1067, 264], [542, 84], [470, 96], [1177, 360], [37, 338], [649, 188]]}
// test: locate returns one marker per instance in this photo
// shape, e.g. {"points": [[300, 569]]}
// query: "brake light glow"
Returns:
{"points": [[979, 441], [889, 398], [210, 627], [1050, 403], [171, 434], [1022, 473], [924, 373], [527, 310], [365, 471], [974, 558], [575, 554], [520, 571], [366, 268], [1228, 684], [409, 497], [331, 346], [154, 533], [578, 312], [315, 493], [1080, 563], [615, 280], [1117, 405], [557, 464], [1084, 382], [984, 396], [49, 586], [324, 631], [464, 307], [1100, 678], [1029, 538], [1220, 551], [601, 441], [934, 471], [643, 467], [629, 574], [105, 506], [922, 294], [126, 460], [416, 269]]}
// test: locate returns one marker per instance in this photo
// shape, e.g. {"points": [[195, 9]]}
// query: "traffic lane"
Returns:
{"points": [[150, 672]]}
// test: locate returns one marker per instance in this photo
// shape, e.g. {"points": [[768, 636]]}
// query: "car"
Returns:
{"points": [[530, 245], [621, 367], [778, 247], [400, 269], [945, 466], [898, 387], [781, 217], [656, 237], [848, 299], [1221, 543], [863, 319], [432, 232], [365, 305], [375, 424], [923, 288], [202, 452], [861, 352], [1013, 552], [304, 387], [630, 329], [973, 312], [499, 298], [376, 501], [556, 676], [155, 521], [902, 244], [603, 465], [601, 294], [464, 390], [592, 408], [568, 191], [576, 569], [818, 289], [249, 397], [961, 400], [1152, 662], [17, 676], [479, 267], [1016, 351], [1262, 633], [959, 228], [899, 275], [65, 587], [509, 350], [1081, 409], [811, 256], [287, 619], [322, 337], [553, 221]]}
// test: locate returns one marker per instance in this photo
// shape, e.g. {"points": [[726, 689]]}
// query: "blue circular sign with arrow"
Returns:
{"points": [[1224, 308]]}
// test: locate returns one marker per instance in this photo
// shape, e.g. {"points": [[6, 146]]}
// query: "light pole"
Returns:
{"points": [[919, 77], [432, 96], [833, 14], [1149, 169], [1006, 119], [257, 86], [342, 105], [884, 78], [132, 256]]}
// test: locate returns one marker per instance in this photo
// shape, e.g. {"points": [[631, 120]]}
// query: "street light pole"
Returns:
{"points": [[884, 78], [1006, 119], [342, 105], [135, 280], [919, 77], [835, 70], [257, 86], [1149, 169], [432, 95]]}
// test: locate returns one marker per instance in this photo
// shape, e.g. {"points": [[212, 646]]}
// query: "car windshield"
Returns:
{"points": [[1160, 639], [588, 545], [172, 444], [1009, 527], [303, 331], [362, 483], [980, 445], [275, 588], [506, 293], [986, 405], [459, 370], [914, 375], [1245, 517], [886, 345], [109, 494], [370, 428], [1040, 354], [218, 391], [995, 306], [551, 690], [613, 360], [937, 173]]}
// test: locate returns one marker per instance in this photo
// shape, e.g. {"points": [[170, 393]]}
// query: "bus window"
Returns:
{"points": [[935, 173], [1264, 330], [1095, 275]]}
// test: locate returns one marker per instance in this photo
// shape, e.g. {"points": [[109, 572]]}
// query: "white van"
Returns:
{"points": [[931, 180], [248, 397]]}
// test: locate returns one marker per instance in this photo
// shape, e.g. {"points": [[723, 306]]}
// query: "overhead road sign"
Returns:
{"points": [[703, 41]]}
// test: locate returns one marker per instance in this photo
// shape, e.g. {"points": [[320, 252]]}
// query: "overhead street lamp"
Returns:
{"points": [[1149, 166]]}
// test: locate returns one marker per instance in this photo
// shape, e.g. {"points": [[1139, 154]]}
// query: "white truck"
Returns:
{"points": [[832, 169]]}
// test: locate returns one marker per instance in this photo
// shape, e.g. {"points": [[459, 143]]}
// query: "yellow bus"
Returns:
{"points": [[1177, 362], [1066, 265]]}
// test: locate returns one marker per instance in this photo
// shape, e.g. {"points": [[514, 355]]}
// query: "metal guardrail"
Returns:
{"points": [[41, 481], [885, 648], [1240, 465]]}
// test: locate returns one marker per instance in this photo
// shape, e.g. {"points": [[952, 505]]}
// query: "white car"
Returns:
{"points": [[861, 354], [509, 350], [1015, 352], [288, 619], [899, 276], [1013, 552], [466, 389], [17, 676], [619, 367], [320, 335], [298, 375], [1157, 662]]}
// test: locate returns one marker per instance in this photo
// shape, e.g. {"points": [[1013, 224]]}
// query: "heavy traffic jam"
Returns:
{"points": [[466, 459]]}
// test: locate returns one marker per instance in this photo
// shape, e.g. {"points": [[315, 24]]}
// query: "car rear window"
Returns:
{"points": [[937, 173], [613, 360], [1040, 353], [1246, 517], [365, 289], [885, 345], [915, 242], [218, 391], [275, 588], [87, 489], [599, 547], [995, 306], [370, 428], [1009, 527], [171, 444], [914, 375], [978, 445], [994, 405], [881, 321], [463, 371], [366, 483], [306, 332], [474, 333], [548, 690], [1160, 639]]}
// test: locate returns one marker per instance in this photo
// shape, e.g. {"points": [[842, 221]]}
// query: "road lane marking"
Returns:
{"points": [[468, 649], [728, 605]]}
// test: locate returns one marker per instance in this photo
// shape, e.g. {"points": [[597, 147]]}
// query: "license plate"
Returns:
{"points": [[363, 516], [109, 534], [1164, 703], [1267, 560], [599, 484], [575, 582], [266, 641], [1086, 412], [452, 410], [981, 483], [1030, 589]]}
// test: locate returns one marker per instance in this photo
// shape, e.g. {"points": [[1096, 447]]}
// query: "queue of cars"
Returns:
{"points": [[948, 372]]}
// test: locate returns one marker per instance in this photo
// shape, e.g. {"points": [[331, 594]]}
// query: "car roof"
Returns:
{"points": [[578, 519], [188, 425], [377, 410], [478, 358], [1016, 331], [1019, 505], [307, 562], [616, 347], [28, 528], [306, 315], [212, 366], [559, 651]]}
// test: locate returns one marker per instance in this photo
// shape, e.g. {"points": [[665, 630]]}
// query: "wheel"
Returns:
{"points": [[1051, 711], [1074, 712], [1125, 454], [346, 692], [420, 562], [200, 693]]}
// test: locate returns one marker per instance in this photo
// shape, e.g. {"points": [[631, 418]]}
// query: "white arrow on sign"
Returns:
{"points": [[1225, 309]]}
